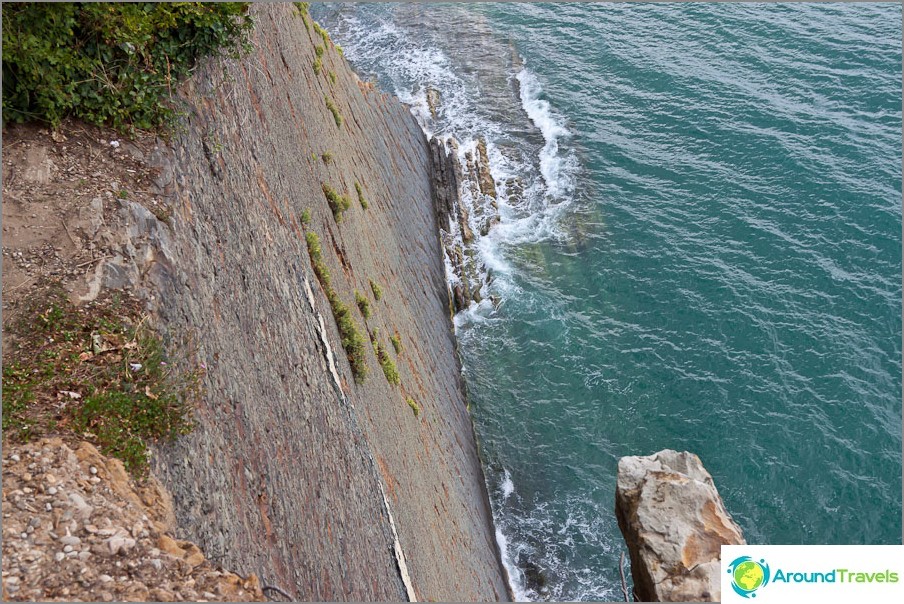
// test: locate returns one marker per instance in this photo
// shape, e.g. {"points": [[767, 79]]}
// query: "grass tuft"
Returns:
{"points": [[337, 117], [415, 408], [349, 333], [338, 203], [396, 342], [363, 304], [361, 198], [305, 217], [376, 289]]}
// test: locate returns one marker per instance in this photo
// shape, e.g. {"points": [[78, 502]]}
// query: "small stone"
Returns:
{"points": [[26, 477], [84, 555], [50, 479], [59, 556], [70, 540], [94, 480], [24, 535], [93, 470], [105, 578], [67, 549], [14, 457], [52, 491]]}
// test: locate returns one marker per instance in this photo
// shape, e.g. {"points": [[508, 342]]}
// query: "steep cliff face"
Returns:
{"points": [[292, 464]]}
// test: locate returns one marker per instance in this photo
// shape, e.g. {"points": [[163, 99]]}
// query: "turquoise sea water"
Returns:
{"points": [[706, 257]]}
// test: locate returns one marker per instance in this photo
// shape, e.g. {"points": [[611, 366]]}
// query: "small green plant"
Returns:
{"points": [[386, 362], [301, 9], [123, 194], [327, 158], [318, 50], [332, 76], [415, 408], [305, 217], [376, 289], [396, 342], [317, 66], [352, 340], [323, 33], [337, 117], [361, 198], [338, 203], [340, 51], [363, 304]]}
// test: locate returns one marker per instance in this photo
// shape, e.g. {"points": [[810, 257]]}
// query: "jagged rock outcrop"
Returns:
{"points": [[674, 523]]}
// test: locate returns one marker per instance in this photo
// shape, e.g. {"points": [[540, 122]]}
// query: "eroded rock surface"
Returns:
{"points": [[674, 523]]}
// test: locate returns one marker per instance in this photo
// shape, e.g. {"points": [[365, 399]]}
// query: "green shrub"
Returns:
{"points": [[301, 8], [318, 50], [109, 63], [338, 203], [396, 343], [318, 65], [327, 157], [377, 290], [305, 216], [363, 304], [337, 117], [332, 75], [414, 406], [361, 198]]}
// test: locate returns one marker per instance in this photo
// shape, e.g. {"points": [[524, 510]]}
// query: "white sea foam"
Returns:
{"points": [[557, 169]]}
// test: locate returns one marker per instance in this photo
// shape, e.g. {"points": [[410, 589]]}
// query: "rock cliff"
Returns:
{"points": [[674, 523], [331, 488]]}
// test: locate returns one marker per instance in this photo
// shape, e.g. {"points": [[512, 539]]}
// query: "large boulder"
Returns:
{"points": [[674, 523]]}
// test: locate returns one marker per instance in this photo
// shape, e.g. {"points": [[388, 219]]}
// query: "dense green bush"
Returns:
{"points": [[109, 63]]}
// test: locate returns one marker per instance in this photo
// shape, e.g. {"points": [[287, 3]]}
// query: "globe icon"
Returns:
{"points": [[748, 575]]}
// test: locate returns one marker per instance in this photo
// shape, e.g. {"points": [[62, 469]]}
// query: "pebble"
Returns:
{"points": [[14, 458], [52, 491], [70, 540], [67, 549], [59, 556], [93, 470]]}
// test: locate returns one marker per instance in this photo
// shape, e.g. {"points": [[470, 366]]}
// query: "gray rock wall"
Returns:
{"points": [[285, 473], [674, 523]]}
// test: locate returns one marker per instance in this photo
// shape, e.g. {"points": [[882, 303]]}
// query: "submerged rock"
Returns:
{"points": [[674, 523], [433, 101]]}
